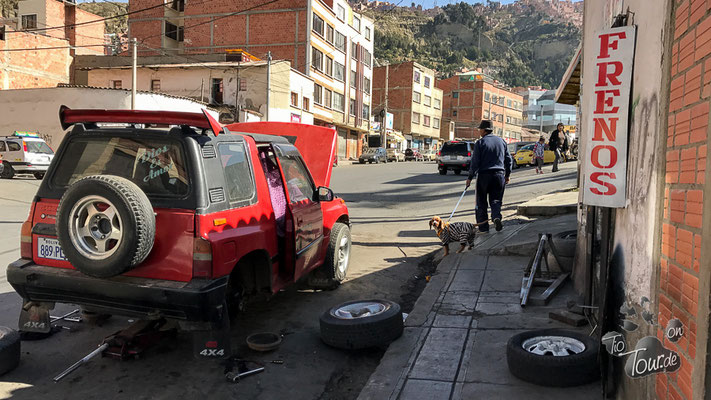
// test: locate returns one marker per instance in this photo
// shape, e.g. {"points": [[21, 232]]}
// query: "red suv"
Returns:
{"points": [[182, 222]]}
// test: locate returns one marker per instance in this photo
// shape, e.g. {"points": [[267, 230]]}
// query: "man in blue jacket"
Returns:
{"points": [[491, 165]]}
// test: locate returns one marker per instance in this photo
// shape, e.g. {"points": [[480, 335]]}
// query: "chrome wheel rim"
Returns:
{"points": [[343, 254], [360, 309], [95, 227], [557, 346]]}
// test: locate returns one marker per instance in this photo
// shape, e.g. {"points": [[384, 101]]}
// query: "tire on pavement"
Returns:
{"points": [[9, 349], [39, 175], [457, 171], [338, 256], [132, 220], [7, 172], [361, 324], [443, 172], [565, 243], [569, 368]]}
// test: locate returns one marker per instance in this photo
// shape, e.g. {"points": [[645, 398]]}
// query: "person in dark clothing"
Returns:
{"points": [[491, 165], [555, 143]]}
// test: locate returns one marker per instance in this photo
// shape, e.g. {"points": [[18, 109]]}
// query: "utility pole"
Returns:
{"points": [[269, 77], [202, 89], [383, 132], [237, 95], [133, 74]]}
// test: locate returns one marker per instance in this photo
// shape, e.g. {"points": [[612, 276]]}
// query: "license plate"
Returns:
{"points": [[50, 248], [520, 158], [460, 158]]}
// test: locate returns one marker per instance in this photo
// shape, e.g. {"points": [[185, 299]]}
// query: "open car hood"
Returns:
{"points": [[316, 144]]}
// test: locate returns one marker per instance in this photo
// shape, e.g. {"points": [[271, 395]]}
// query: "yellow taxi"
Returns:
{"points": [[525, 154]]}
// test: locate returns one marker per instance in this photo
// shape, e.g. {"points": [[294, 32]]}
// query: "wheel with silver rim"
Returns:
{"points": [[553, 357], [338, 257], [361, 324], [105, 225]]}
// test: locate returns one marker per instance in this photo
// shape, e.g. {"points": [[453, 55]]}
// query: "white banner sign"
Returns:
{"points": [[605, 162]]}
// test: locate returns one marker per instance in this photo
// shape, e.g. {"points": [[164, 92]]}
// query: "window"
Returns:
{"points": [[415, 118], [354, 50], [509, 103], [339, 71], [367, 33], [366, 112], [338, 102], [317, 24], [305, 103], [427, 81], [294, 99], [356, 23], [416, 97], [367, 59], [455, 95], [353, 79], [501, 100], [428, 101], [417, 76], [366, 85], [438, 104], [117, 84], [486, 114], [341, 12], [238, 174], [435, 123], [178, 5], [508, 119], [173, 31], [328, 68], [340, 41], [242, 85], [353, 107], [454, 113], [426, 120], [155, 85], [2, 146], [29, 21], [327, 98], [318, 92], [217, 90], [316, 58], [329, 34], [487, 97], [13, 146], [298, 181]]}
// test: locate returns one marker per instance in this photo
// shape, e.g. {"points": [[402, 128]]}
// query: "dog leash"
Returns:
{"points": [[457, 206]]}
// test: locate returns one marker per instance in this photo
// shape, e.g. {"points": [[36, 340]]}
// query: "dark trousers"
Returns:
{"points": [[489, 186], [557, 159]]}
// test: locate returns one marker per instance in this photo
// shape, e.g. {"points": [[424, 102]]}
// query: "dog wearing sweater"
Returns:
{"points": [[462, 232]]}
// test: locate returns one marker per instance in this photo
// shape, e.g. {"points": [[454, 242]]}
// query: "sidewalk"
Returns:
{"points": [[454, 345]]}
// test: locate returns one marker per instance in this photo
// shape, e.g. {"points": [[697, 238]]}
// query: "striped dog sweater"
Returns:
{"points": [[461, 232]]}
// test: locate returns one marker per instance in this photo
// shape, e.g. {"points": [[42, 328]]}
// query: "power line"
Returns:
{"points": [[55, 48]]}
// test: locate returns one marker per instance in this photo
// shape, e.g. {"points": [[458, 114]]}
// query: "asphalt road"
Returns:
{"points": [[389, 206]]}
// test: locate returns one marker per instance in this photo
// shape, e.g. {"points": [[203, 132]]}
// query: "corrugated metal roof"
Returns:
{"points": [[67, 85], [210, 64], [569, 89]]}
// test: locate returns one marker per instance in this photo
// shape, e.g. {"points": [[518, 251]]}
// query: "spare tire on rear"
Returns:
{"points": [[105, 225], [9, 349], [362, 324]]}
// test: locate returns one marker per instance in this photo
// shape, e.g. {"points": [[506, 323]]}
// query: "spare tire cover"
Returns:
{"points": [[105, 225]]}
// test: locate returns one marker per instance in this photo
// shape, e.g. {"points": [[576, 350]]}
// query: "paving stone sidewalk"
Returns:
{"points": [[454, 345]]}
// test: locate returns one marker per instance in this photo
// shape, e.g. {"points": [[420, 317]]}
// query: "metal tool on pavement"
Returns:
{"points": [[535, 276], [66, 317], [236, 369], [81, 362]]}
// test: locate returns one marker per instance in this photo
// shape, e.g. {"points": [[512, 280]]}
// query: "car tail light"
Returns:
{"points": [[202, 258], [26, 236], [24, 146], [469, 154]]}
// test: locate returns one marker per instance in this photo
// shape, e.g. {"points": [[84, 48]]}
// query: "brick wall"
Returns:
{"points": [[690, 91], [33, 69], [399, 95], [89, 34]]}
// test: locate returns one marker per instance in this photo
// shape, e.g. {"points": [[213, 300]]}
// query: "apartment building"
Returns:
{"points": [[541, 112], [413, 99], [323, 39], [472, 96]]}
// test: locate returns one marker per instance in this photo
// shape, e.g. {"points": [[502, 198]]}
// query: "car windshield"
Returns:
{"points": [[527, 147], [39, 147], [157, 166], [454, 149]]}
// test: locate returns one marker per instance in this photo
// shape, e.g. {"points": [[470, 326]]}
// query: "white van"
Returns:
{"points": [[24, 153]]}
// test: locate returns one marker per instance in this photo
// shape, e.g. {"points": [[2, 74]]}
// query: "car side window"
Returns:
{"points": [[2, 146], [298, 181], [238, 174], [13, 146]]}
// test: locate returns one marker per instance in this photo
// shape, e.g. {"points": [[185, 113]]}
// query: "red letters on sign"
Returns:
{"points": [[602, 126], [595, 156], [605, 75], [604, 100], [595, 178], [606, 43]]}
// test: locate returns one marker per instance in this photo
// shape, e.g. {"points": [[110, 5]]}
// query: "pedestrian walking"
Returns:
{"points": [[555, 143], [491, 166], [538, 152]]}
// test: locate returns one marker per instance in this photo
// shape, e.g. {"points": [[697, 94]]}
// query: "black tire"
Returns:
{"points": [[457, 171], [39, 175], [361, 161], [443, 172], [364, 332], [136, 212], [7, 172], [548, 370], [329, 276], [9, 349], [565, 243]]}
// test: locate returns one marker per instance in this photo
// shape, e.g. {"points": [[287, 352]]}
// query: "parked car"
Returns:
{"points": [[395, 155], [455, 156], [525, 155], [24, 153], [430, 155], [515, 147], [413, 155], [373, 155], [183, 223]]}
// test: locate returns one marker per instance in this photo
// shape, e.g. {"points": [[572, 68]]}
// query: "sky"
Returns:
{"points": [[430, 3]]}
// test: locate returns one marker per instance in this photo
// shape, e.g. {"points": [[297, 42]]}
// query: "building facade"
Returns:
{"points": [[413, 99], [541, 112], [323, 39], [471, 97]]}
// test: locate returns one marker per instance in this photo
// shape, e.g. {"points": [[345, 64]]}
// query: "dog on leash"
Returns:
{"points": [[462, 232]]}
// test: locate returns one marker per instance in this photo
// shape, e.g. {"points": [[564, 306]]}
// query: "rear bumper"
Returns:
{"points": [[196, 300], [453, 165], [21, 167]]}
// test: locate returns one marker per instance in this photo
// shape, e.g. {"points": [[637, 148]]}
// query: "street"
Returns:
{"points": [[390, 205]]}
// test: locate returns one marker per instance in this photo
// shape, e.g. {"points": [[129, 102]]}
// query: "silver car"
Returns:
{"points": [[24, 153], [456, 156]]}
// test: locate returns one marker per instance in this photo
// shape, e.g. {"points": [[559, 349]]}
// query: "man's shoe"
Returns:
{"points": [[497, 223]]}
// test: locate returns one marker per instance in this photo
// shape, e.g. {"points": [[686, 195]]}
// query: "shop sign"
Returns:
{"points": [[605, 162], [295, 118]]}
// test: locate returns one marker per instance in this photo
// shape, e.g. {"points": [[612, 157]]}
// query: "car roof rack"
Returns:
{"points": [[69, 117]]}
